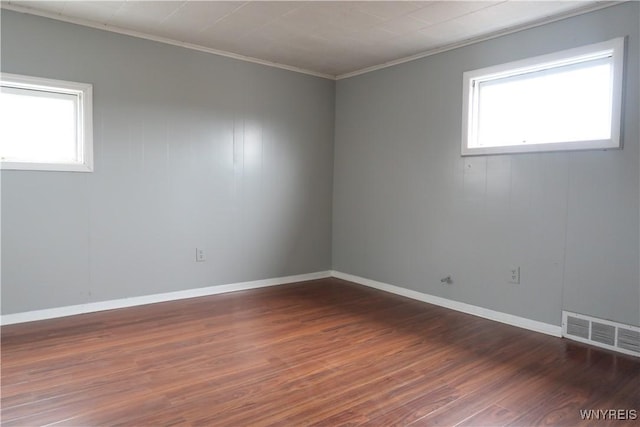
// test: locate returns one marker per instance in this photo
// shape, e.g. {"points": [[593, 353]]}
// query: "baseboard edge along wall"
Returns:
{"points": [[51, 313], [498, 316]]}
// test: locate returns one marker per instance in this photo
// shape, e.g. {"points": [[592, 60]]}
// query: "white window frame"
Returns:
{"points": [[83, 92], [472, 79]]}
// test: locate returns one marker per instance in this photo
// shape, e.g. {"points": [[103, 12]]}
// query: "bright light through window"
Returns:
{"points": [[564, 101], [53, 139], [45, 124], [576, 114]]}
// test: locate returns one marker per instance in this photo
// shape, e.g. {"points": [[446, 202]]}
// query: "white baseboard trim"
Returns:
{"points": [[71, 310], [509, 319]]}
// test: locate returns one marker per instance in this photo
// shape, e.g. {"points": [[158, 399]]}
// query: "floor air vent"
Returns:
{"points": [[578, 327], [605, 334], [629, 340], [601, 333]]}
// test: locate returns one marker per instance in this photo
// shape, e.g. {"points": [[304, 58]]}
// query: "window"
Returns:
{"points": [[45, 124], [569, 100]]}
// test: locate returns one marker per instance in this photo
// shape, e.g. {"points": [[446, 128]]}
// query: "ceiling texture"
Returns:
{"points": [[332, 39]]}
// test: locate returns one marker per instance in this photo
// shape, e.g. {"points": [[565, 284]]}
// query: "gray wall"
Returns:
{"points": [[408, 210], [166, 179]]}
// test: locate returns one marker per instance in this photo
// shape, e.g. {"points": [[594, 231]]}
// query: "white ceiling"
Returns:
{"points": [[328, 38]]}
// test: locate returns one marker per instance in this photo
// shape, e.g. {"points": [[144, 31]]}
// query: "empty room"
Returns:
{"points": [[253, 213]]}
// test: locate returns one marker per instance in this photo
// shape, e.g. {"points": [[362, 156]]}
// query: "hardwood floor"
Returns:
{"points": [[325, 352]]}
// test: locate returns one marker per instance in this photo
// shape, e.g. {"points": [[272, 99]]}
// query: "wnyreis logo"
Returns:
{"points": [[609, 414]]}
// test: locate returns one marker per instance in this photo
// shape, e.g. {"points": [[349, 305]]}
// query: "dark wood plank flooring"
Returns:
{"points": [[325, 352]]}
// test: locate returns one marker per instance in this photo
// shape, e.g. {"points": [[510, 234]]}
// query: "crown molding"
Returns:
{"points": [[92, 24], [537, 23], [165, 40]]}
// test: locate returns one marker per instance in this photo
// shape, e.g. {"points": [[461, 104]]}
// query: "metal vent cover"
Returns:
{"points": [[601, 333], [606, 334], [629, 339], [578, 327]]}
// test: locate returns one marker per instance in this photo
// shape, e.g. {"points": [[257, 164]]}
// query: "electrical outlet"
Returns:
{"points": [[514, 275], [200, 255]]}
